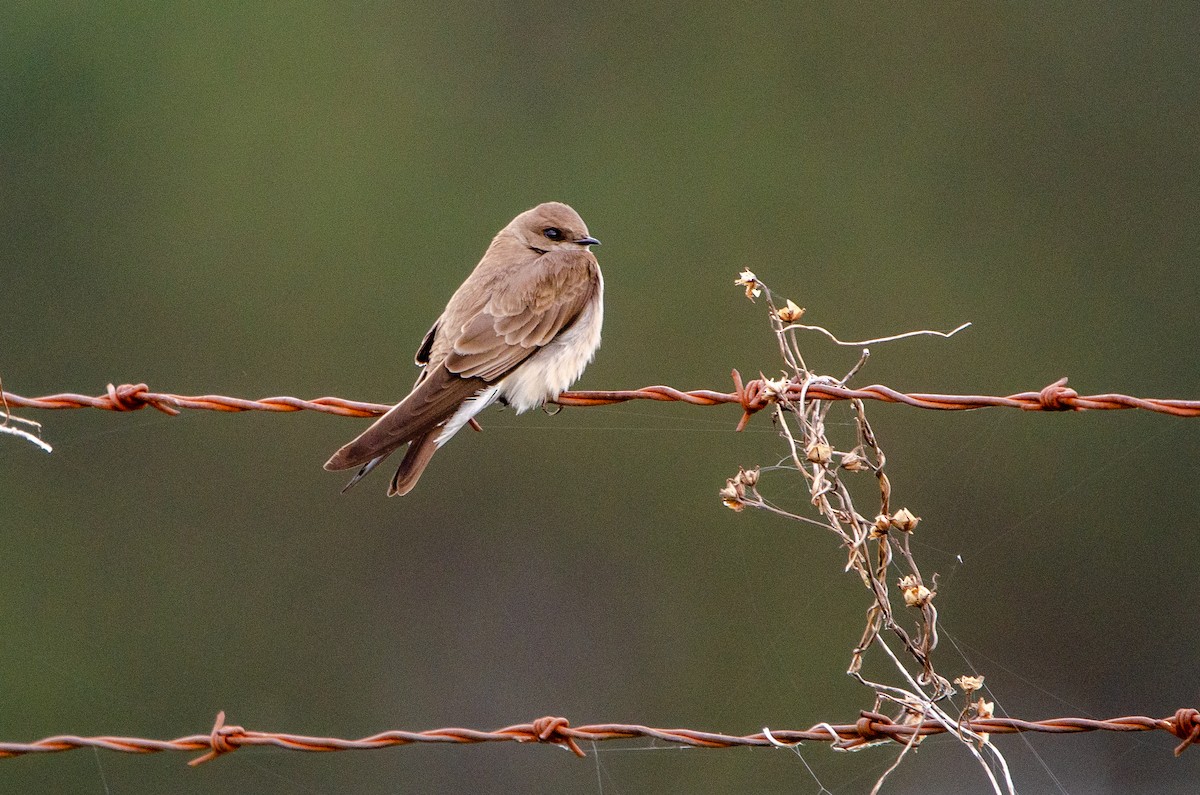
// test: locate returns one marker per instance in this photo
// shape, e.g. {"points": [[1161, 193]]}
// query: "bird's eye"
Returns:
{"points": [[554, 233]]}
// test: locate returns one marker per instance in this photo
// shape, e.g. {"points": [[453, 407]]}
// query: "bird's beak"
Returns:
{"points": [[588, 241]]}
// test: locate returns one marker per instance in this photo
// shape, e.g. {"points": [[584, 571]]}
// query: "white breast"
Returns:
{"points": [[558, 365]]}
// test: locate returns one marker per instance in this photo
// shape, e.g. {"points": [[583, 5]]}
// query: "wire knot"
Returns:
{"points": [[554, 730], [750, 396], [131, 397], [1057, 397], [1186, 726], [220, 740], [127, 397], [865, 732], [865, 727]]}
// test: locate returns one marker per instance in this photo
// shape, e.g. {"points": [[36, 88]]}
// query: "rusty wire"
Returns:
{"points": [[751, 396], [871, 727], [795, 394]]}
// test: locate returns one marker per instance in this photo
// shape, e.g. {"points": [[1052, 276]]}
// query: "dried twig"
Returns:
{"points": [[26, 435], [875, 547], [877, 340], [6, 418]]}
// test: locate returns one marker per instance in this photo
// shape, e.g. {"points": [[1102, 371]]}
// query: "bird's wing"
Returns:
{"points": [[422, 356], [523, 313]]}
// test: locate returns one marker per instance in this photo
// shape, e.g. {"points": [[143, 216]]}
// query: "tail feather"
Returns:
{"points": [[420, 453], [362, 473]]}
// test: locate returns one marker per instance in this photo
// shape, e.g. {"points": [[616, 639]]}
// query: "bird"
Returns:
{"points": [[520, 330]]}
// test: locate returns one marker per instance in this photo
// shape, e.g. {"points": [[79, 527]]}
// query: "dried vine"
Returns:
{"points": [[877, 544]]}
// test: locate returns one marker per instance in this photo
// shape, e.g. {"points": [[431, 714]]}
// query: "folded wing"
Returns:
{"points": [[523, 314]]}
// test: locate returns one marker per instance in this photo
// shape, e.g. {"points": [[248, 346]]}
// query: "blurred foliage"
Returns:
{"points": [[278, 199]]}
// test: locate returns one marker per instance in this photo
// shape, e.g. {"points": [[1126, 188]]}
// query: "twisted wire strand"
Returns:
{"points": [[752, 396], [870, 727]]}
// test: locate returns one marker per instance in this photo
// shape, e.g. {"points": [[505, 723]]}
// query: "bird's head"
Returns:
{"points": [[551, 226]]}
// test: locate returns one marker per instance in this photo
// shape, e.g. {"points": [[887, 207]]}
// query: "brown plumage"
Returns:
{"points": [[521, 329]]}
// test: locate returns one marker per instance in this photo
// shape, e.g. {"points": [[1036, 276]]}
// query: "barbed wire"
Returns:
{"points": [[869, 729], [872, 547], [752, 396]]}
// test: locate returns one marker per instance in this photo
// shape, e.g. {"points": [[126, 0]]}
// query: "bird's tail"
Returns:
{"points": [[435, 400], [420, 453]]}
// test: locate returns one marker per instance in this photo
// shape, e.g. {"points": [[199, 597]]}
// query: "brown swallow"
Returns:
{"points": [[520, 329]]}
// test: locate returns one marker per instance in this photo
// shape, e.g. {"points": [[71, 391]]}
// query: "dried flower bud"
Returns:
{"points": [[733, 494], [853, 462], [917, 597], [772, 389], [969, 684], [748, 476], [914, 714], [790, 313], [750, 281], [905, 520], [819, 453], [880, 528], [915, 594], [984, 709]]}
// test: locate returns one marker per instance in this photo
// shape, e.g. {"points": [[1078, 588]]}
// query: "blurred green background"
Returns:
{"points": [[279, 200]]}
